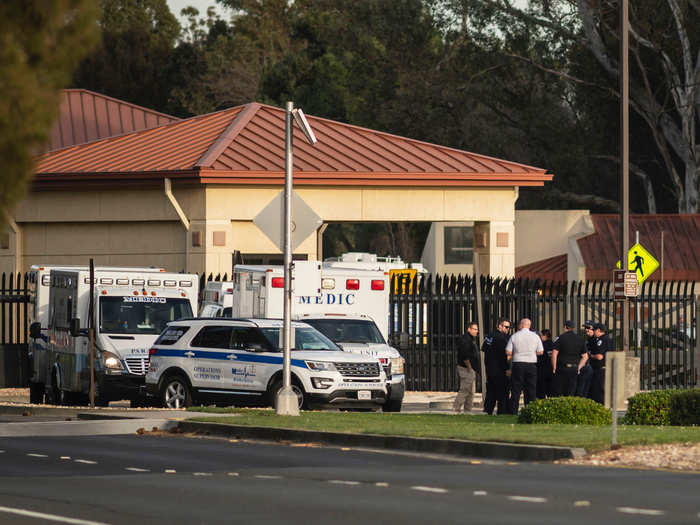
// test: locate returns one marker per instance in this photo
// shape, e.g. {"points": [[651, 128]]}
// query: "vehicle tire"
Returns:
{"points": [[392, 405], [175, 392], [296, 387], [36, 393]]}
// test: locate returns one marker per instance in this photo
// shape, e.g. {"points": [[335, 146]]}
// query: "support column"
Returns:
{"points": [[494, 244]]}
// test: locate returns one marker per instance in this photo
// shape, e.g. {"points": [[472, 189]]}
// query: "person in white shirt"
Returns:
{"points": [[522, 350]]}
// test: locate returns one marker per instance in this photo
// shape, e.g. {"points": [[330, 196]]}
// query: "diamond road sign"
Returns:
{"points": [[641, 262], [271, 220]]}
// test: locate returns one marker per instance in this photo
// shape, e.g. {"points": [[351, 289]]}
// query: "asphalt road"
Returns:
{"points": [[161, 479]]}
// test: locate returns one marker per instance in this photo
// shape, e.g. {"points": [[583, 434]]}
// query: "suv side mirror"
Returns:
{"points": [[75, 327], [35, 330]]}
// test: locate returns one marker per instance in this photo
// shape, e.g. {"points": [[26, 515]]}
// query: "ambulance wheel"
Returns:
{"points": [[392, 405], [296, 388], [176, 393], [36, 393]]}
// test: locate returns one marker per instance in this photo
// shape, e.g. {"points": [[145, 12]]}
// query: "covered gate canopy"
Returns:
{"points": [[225, 167]]}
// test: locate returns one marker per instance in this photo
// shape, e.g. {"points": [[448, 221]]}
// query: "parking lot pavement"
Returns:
{"points": [[413, 401]]}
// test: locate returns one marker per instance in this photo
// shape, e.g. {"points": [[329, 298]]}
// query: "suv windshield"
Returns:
{"points": [[304, 339], [348, 330], [140, 315]]}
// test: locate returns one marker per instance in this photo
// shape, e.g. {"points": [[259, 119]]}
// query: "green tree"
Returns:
{"points": [[41, 44], [664, 73], [132, 60]]}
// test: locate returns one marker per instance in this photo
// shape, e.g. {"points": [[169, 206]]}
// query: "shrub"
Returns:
{"points": [[649, 408], [565, 410], [685, 408]]}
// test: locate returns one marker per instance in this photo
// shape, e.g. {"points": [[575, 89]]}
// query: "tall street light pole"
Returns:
{"points": [[287, 402], [625, 163]]}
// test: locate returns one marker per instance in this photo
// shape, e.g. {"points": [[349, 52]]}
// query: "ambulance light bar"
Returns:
{"points": [[328, 283], [277, 282], [377, 284], [352, 284]]}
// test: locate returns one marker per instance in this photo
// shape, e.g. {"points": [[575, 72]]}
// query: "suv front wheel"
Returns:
{"points": [[176, 392], [296, 388]]}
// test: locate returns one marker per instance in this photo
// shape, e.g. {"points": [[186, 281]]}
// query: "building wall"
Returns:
{"points": [[141, 226], [540, 234]]}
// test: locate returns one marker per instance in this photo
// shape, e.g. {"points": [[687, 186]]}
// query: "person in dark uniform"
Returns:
{"points": [[601, 347], [496, 363], [467, 365], [583, 385], [545, 387], [568, 357]]}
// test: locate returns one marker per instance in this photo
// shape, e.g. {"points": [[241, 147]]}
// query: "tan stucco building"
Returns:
{"points": [[183, 195]]}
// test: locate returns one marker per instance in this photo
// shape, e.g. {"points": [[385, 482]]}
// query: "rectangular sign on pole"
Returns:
{"points": [[631, 284], [619, 285]]}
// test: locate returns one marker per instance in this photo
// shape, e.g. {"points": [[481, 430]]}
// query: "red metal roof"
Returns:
{"points": [[681, 244], [245, 145], [550, 269], [87, 116]]}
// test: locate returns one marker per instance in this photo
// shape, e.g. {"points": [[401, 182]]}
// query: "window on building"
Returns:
{"points": [[459, 244]]}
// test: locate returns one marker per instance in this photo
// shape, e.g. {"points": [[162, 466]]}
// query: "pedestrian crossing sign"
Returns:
{"points": [[640, 261]]}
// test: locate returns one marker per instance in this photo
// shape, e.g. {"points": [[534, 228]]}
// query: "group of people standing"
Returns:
{"points": [[532, 364]]}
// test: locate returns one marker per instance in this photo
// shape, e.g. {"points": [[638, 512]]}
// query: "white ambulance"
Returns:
{"points": [[258, 291], [132, 307], [217, 299], [357, 296]]}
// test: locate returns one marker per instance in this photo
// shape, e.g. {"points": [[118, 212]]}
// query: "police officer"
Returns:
{"points": [[583, 385], [545, 378], [496, 363], [568, 357], [598, 351]]}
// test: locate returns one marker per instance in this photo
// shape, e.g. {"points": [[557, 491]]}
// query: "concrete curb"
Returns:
{"points": [[453, 447]]}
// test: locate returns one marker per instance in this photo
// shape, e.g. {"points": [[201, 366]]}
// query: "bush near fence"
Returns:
{"points": [[565, 411], [685, 408], [649, 408]]}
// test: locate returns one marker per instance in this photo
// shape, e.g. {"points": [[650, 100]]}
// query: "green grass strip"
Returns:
{"points": [[447, 426]]}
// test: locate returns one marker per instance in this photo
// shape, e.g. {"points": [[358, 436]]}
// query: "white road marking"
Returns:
{"points": [[65, 457], [233, 473], [263, 476], [202, 474], [38, 455], [645, 512], [170, 471], [381, 484], [528, 499], [480, 493], [136, 469], [86, 461], [582, 503], [49, 517], [343, 482], [430, 489]]}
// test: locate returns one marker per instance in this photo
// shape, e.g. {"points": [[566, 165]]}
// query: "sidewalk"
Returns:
{"points": [[435, 402]]}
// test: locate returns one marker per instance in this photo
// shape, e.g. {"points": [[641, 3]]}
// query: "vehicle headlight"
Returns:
{"points": [[320, 366], [397, 365], [112, 361]]}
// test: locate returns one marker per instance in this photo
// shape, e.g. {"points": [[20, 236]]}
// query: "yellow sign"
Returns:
{"points": [[640, 262], [404, 278]]}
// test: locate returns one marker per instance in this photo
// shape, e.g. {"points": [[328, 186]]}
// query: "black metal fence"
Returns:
{"points": [[14, 302], [428, 314]]}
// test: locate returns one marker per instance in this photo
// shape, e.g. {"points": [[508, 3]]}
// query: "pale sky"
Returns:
{"points": [[177, 5]]}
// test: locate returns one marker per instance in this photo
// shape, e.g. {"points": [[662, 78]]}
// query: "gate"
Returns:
{"points": [[428, 314], [14, 358]]}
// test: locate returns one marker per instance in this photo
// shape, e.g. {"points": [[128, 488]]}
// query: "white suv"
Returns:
{"points": [[358, 333], [238, 361]]}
